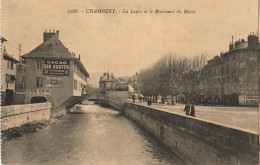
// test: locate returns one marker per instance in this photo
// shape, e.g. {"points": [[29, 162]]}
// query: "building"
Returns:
{"points": [[8, 75], [122, 84], [232, 78], [52, 72], [107, 82], [20, 82]]}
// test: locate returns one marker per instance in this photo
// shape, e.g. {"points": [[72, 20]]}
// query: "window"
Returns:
{"points": [[39, 64], [21, 78], [75, 84], [21, 85], [34, 64], [7, 64], [12, 65], [39, 82], [12, 78], [227, 68], [7, 78]]}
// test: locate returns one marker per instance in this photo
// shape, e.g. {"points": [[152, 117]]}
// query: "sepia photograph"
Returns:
{"points": [[130, 82]]}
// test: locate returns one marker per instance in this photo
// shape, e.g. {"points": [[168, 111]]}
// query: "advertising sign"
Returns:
{"points": [[54, 81], [56, 67], [37, 92], [248, 100]]}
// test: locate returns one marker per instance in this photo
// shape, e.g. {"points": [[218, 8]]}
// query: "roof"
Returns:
{"points": [[82, 67], [9, 57], [125, 79], [242, 46], [107, 77], [53, 48]]}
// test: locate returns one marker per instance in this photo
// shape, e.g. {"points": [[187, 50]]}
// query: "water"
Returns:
{"points": [[96, 137]]}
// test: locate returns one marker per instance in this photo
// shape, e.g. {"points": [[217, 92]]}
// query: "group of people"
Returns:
{"points": [[190, 110]]}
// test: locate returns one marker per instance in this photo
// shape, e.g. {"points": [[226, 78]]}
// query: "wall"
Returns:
{"points": [[118, 95], [58, 94], [197, 141], [78, 91], [5, 71], [19, 98], [16, 115]]}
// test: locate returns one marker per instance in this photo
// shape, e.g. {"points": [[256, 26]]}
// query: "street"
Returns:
{"points": [[237, 117]]}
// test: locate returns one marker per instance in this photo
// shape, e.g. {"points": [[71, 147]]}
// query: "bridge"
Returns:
{"points": [[101, 98]]}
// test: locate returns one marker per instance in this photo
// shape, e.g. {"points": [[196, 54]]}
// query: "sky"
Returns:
{"points": [[124, 43]]}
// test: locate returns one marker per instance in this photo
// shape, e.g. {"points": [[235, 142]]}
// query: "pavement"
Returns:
{"points": [[244, 118]]}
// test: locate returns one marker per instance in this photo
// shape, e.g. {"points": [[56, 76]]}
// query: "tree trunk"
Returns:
{"points": [[172, 100]]}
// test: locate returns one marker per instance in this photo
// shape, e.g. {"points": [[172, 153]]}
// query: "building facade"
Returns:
{"points": [[8, 75], [233, 77], [107, 82], [52, 72]]}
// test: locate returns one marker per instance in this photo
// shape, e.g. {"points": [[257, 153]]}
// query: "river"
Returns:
{"points": [[98, 136]]}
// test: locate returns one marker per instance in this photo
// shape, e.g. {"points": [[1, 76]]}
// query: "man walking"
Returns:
{"points": [[192, 113], [187, 109]]}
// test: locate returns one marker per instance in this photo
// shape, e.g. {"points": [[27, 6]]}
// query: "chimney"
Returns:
{"points": [[57, 34], [231, 46], [237, 43], [253, 41], [4, 48], [79, 56], [48, 35]]}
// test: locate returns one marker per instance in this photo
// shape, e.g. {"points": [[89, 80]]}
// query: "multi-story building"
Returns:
{"points": [[20, 78], [107, 82], [8, 75], [53, 73], [233, 77], [20, 82]]}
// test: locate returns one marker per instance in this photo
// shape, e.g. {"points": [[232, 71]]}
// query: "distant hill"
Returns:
{"points": [[94, 78]]}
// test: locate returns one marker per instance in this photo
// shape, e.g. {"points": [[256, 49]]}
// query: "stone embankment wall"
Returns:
{"points": [[197, 141], [16, 115], [119, 96]]}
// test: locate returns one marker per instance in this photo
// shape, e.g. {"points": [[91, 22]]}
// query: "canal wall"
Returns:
{"points": [[197, 141], [118, 95], [17, 115]]}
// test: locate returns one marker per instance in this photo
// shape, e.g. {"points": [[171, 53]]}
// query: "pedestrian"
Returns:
{"points": [[187, 109], [192, 112], [133, 98]]}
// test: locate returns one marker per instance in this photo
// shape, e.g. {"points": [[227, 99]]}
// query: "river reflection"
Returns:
{"points": [[98, 136]]}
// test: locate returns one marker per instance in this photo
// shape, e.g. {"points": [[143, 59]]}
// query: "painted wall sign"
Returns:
{"points": [[248, 100], [56, 67], [54, 81], [37, 92]]}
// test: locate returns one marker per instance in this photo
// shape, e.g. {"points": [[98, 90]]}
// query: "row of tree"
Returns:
{"points": [[175, 76]]}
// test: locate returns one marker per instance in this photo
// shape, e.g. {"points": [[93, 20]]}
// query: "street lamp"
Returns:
{"points": [[134, 88]]}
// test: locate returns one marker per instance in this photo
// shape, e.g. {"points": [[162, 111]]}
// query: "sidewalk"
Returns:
{"points": [[240, 117]]}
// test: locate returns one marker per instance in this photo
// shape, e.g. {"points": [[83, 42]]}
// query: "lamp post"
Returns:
{"points": [[134, 88]]}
